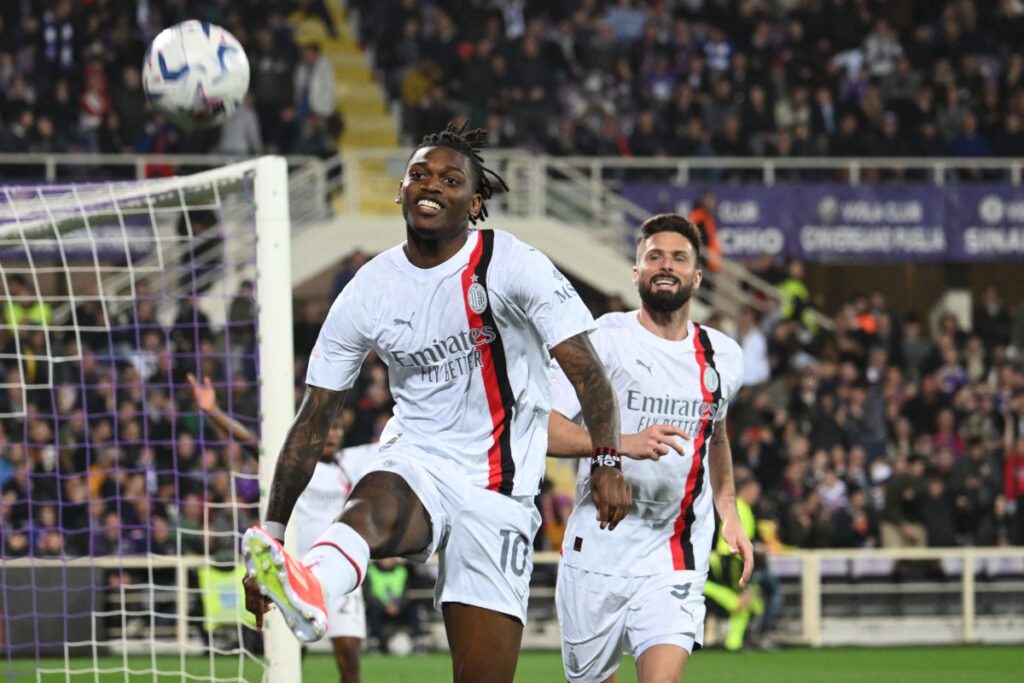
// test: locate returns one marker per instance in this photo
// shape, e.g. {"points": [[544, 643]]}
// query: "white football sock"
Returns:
{"points": [[338, 559]]}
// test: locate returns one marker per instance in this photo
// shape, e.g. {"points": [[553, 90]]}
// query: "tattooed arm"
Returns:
{"points": [[566, 439], [302, 448], [724, 488], [579, 362]]}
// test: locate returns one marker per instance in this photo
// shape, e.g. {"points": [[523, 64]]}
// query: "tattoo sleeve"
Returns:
{"points": [[302, 447], [579, 362], [723, 486]]}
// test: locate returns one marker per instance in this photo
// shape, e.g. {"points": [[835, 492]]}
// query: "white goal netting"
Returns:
{"points": [[122, 499]]}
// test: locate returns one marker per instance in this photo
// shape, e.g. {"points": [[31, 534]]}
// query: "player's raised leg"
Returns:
{"points": [[383, 518], [289, 585]]}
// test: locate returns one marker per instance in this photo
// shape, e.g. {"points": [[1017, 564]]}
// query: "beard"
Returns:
{"points": [[665, 301]]}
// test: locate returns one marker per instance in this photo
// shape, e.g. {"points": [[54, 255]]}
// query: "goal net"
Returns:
{"points": [[122, 498]]}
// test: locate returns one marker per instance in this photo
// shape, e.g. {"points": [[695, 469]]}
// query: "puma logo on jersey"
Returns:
{"points": [[645, 366], [408, 323]]}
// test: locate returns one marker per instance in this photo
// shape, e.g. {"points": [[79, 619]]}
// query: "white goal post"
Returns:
{"points": [[122, 501]]}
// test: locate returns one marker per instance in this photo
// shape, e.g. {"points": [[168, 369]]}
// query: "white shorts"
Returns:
{"points": [[603, 617], [346, 617], [484, 539]]}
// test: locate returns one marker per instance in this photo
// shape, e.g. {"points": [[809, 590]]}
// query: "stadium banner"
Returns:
{"points": [[751, 219], [989, 223], [834, 222]]}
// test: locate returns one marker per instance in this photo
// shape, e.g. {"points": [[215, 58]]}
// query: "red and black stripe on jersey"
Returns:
{"points": [[682, 541], [500, 398]]}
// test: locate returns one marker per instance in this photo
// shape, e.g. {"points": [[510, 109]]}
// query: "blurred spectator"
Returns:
{"points": [[901, 525], [241, 134], [314, 88], [938, 513], [1013, 491], [991, 320], [389, 611], [755, 348], [703, 216]]}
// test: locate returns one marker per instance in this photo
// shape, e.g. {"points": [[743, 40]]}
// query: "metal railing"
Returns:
{"points": [[816, 576]]}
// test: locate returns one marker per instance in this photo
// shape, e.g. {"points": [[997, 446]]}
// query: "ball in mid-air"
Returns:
{"points": [[195, 74]]}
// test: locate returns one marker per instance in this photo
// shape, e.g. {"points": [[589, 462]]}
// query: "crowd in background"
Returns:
{"points": [[710, 77], [70, 78], [105, 451], [589, 77], [886, 430], [882, 431]]}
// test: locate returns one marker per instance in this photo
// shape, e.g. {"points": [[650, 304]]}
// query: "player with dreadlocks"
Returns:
{"points": [[467, 321]]}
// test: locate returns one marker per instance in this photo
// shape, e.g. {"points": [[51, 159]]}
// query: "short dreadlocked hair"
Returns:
{"points": [[469, 143]]}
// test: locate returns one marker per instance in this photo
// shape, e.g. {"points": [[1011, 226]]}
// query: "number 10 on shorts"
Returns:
{"points": [[515, 551]]}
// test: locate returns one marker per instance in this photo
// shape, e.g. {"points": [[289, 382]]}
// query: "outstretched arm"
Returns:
{"points": [[206, 400], [302, 448], [724, 488], [566, 439], [579, 362]]}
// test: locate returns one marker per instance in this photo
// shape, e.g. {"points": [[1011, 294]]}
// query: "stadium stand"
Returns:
{"points": [[879, 432], [877, 403], [712, 77]]}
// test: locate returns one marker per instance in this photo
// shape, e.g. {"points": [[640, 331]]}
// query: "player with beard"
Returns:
{"points": [[639, 591], [467, 321]]}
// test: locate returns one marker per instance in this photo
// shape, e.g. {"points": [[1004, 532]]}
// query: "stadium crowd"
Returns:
{"points": [[710, 77], [70, 78], [881, 432], [105, 451], [586, 77]]}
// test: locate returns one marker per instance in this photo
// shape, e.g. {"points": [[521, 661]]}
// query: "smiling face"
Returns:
{"points": [[666, 273], [438, 193]]}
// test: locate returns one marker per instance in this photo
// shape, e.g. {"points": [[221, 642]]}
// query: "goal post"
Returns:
{"points": [[273, 257], [121, 501]]}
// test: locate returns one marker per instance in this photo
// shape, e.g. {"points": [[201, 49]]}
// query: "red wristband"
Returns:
{"points": [[605, 457]]}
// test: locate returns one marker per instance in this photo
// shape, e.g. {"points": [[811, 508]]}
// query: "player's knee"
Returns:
{"points": [[375, 523], [377, 508]]}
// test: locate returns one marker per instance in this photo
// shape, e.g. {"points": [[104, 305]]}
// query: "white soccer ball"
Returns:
{"points": [[195, 73]]}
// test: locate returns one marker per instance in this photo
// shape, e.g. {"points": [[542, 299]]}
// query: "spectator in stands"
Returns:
{"points": [[241, 133], [1013, 491], [938, 512], [388, 608], [315, 87], [901, 525], [756, 369], [856, 525], [991, 320], [703, 216], [23, 306], [976, 481]]}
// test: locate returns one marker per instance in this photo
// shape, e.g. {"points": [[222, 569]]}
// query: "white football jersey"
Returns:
{"points": [[684, 383], [466, 344]]}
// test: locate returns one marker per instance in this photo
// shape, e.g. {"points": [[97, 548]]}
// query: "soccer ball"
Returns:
{"points": [[195, 74]]}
